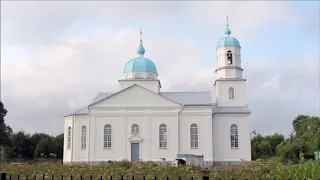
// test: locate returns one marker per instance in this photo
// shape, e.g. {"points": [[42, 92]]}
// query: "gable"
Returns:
{"points": [[135, 96]]}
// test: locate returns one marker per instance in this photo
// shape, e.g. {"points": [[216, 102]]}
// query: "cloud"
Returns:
{"points": [[42, 22], [58, 55], [61, 78]]}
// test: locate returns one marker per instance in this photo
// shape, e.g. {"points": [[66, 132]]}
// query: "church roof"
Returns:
{"points": [[140, 64], [189, 98], [228, 41]]}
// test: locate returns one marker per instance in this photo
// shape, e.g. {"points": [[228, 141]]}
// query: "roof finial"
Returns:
{"points": [[140, 35], [227, 31], [227, 22], [141, 49]]}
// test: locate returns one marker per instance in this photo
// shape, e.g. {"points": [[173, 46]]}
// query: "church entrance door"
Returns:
{"points": [[135, 152]]}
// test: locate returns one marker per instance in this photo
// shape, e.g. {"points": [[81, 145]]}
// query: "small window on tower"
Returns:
{"points": [[231, 93], [229, 58]]}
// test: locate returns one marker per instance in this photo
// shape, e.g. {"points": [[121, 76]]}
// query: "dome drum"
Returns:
{"points": [[141, 75]]}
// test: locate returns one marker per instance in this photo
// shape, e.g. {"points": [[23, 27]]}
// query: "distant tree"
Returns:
{"points": [[21, 146], [58, 146], [4, 130], [43, 148], [274, 140], [305, 138], [35, 139]]}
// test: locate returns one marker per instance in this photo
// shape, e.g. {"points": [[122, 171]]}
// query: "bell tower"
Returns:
{"points": [[229, 83]]}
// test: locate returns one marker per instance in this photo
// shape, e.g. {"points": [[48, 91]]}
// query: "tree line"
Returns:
{"points": [[20, 146], [304, 138]]}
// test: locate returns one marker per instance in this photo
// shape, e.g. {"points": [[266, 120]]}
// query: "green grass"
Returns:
{"points": [[252, 170]]}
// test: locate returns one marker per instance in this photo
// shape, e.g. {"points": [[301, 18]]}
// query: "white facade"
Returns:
{"points": [[141, 123]]}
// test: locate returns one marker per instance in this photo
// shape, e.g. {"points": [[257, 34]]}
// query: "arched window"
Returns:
{"points": [[229, 58], [69, 138], [138, 76], [107, 136], [234, 136], [134, 129], [231, 93], [194, 136], [84, 137], [163, 136]]}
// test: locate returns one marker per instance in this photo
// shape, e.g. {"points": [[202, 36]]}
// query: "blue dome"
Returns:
{"points": [[140, 64], [141, 49], [228, 41]]}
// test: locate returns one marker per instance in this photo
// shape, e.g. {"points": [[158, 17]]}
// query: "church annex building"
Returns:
{"points": [[141, 123]]}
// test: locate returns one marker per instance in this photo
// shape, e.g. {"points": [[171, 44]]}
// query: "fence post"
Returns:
{"points": [[205, 177], [3, 176]]}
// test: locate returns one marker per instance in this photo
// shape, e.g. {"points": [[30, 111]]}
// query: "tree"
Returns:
{"points": [[58, 146], [21, 146], [265, 147], [4, 136], [43, 148], [35, 139], [305, 138]]}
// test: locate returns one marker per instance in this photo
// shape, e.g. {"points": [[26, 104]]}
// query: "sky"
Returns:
{"points": [[56, 56]]}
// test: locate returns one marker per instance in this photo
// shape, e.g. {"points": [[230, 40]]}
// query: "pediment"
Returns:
{"points": [[135, 138], [135, 96]]}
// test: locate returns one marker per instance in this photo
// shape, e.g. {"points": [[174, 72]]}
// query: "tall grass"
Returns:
{"points": [[259, 169]]}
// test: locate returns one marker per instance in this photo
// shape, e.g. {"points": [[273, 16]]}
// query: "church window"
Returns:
{"points": [[84, 137], [231, 93], [194, 136], [107, 136], [229, 58], [69, 138], [163, 136], [138, 76], [135, 129], [234, 136]]}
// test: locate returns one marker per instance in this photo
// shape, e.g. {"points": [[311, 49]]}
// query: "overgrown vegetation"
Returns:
{"points": [[259, 169]]}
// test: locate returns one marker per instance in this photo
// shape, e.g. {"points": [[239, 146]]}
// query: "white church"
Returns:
{"points": [[142, 123]]}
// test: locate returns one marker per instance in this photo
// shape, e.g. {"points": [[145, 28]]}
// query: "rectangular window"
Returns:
{"points": [[84, 137], [69, 138], [163, 141], [107, 136]]}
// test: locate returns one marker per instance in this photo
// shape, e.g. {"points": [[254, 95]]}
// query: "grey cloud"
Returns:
{"points": [[64, 72], [42, 22], [59, 79], [72, 73]]}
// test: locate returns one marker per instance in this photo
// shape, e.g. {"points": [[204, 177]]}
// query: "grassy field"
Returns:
{"points": [[252, 170]]}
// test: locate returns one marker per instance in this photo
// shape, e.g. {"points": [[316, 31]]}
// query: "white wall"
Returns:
{"points": [[169, 153], [118, 139], [228, 73], [222, 93], [202, 117], [80, 154], [67, 153], [149, 122], [222, 150]]}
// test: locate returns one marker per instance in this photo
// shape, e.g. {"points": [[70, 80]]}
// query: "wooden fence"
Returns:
{"points": [[5, 176]]}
